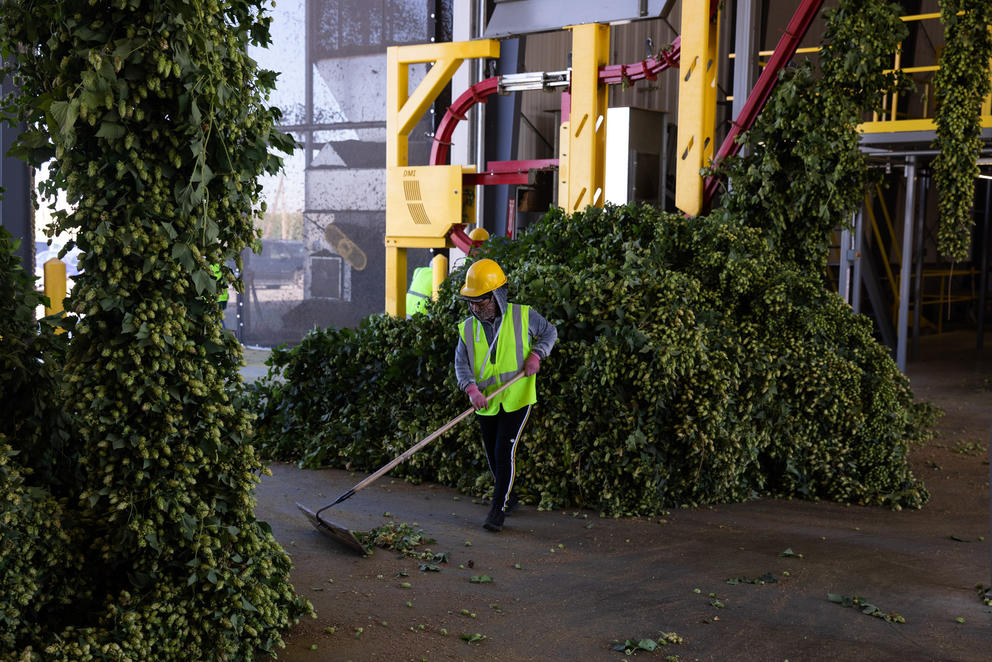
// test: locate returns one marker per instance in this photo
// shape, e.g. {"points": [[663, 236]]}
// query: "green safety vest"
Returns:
{"points": [[222, 294], [420, 290], [512, 347]]}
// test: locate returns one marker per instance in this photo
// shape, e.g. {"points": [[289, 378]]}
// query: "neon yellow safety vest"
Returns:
{"points": [[512, 347], [222, 294], [420, 290]]}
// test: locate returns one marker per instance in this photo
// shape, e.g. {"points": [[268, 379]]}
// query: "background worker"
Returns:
{"points": [[222, 294], [497, 341], [420, 291]]}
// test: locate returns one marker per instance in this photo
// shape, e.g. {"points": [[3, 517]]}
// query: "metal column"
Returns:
{"points": [[859, 226], [745, 52], [501, 134], [921, 214], [906, 267], [845, 262], [16, 212]]}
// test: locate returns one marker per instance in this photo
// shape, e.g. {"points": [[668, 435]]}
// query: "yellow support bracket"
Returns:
{"points": [[403, 110], [697, 102]]}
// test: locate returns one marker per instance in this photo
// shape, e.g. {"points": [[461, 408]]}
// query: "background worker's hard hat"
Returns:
{"points": [[478, 234], [482, 277]]}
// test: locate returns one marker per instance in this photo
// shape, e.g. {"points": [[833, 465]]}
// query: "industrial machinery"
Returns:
{"points": [[429, 206]]}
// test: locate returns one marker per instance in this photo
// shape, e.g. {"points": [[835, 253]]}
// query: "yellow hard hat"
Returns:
{"points": [[478, 234], [482, 277]]}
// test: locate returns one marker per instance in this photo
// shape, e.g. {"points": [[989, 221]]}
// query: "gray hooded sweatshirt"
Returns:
{"points": [[542, 333]]}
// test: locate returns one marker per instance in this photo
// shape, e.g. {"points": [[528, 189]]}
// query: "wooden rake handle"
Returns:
{"points": [[416, 447]]}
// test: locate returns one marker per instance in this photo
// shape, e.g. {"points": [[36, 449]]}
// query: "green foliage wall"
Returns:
{"points": [[699, 360], [156, 122], [37, 553], [961, 85]]}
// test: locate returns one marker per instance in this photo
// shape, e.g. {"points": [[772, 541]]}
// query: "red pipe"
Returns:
{"points": [[442, 137], [758, 97], [649, 68], [462, 241]]}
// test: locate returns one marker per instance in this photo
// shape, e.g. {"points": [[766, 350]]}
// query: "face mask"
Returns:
{"points": [[484, 310]]}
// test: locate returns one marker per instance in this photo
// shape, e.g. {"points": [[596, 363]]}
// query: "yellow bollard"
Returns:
{"points": [[439, 266], [55, 288]]}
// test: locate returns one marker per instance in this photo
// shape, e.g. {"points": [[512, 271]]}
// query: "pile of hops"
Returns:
{"points": [[690, 368]]}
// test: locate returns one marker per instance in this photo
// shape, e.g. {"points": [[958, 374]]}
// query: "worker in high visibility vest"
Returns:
{"points": [[498, 340], [222, 294], [420, 291]]}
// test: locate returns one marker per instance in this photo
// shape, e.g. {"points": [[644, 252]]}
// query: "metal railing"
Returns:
{"points": [[890, 118]]}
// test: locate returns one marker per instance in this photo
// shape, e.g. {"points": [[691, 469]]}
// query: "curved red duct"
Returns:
{"points": [[481, 91], [456, 113]]}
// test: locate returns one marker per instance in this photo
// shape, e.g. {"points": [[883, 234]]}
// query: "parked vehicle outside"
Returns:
{"points": [[280, 264]]}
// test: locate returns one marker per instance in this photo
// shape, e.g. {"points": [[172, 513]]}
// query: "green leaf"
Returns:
{"points": [[111, 131], [62, 119], [184, 255]]}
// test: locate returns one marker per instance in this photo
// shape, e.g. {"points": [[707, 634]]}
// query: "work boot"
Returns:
{"points": [[511, 503], [494, 521]]}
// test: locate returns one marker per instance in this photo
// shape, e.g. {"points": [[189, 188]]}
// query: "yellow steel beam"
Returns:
{"points": [[697, 102], [585, 174], [396, 280], [424, 95], [403, 111], [397, 92], [564, 149], [869, 209], [889, 126], [457, 50]]}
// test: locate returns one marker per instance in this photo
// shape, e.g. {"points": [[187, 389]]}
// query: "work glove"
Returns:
{"points": [[475, 395], [532, 364]]}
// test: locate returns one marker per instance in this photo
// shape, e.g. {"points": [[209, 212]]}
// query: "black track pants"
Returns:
{"points": [[500, 434]]}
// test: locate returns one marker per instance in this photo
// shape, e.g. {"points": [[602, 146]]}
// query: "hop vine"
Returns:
{"points": [[154, 123], [961, 84]]}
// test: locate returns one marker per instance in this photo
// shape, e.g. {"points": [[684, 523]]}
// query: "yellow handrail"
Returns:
{"points": [[887, 120]]}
